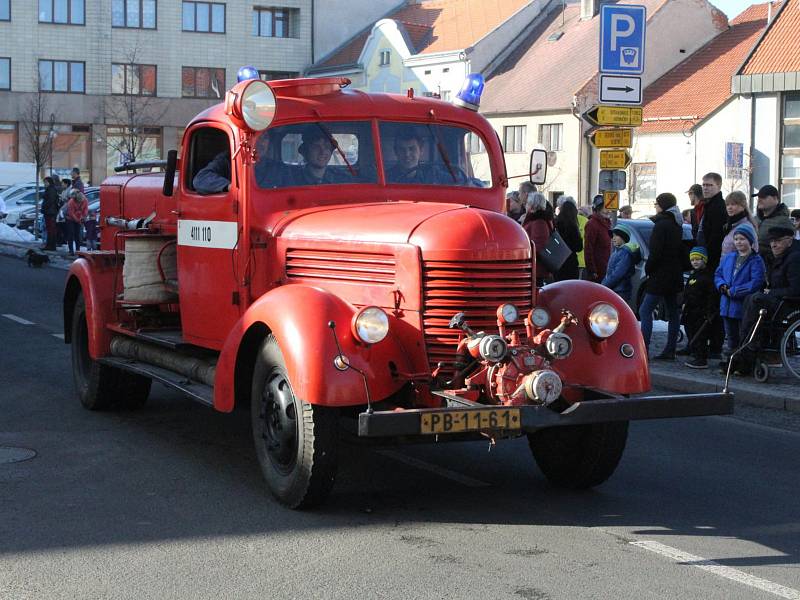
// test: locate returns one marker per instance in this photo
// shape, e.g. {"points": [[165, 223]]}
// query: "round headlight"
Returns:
{"points": [[251, 104], [507, 313], [539, 317], [603, 320], [371, 325]]}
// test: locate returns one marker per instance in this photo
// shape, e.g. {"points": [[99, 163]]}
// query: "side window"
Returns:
{"points": [[204, 146]]}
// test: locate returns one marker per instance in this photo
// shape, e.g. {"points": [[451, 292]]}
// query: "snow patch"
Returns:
{"points": [[12, 234]]}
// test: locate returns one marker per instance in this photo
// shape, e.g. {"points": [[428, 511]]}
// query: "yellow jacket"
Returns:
{"points": [[581, 226]]}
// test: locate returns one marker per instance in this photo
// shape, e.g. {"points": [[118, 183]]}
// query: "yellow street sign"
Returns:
{"points": [[612, 138], [600, 114], [614, 159], [611, 200]]}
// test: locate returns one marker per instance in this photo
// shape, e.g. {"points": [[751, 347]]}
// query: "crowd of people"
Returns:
{"points": [[66, 214], [738, 263]]}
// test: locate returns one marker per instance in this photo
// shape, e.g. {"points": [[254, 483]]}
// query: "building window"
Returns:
{"points": [[62, 76], [5, 73], [643, 186], [475, 144], [551, 136], [274, 75], [790, 152], [385, 57], [514, 138], [137, 14], [135, 80], [72, 146], [274, 22], [202, 82], [204, 17], [445, 95], [5, 10], [120, 140], [8, 142], [71, 12]]}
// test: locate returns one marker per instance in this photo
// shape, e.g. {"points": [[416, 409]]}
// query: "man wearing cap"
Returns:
{"points": [[597, 241], [783, 281], [771, 213]]}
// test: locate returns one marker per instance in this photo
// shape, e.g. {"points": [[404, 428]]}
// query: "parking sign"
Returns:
{"points": [[622, 38]]}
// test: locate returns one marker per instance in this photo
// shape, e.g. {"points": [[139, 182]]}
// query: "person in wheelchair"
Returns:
{"points": [[783, 284]]}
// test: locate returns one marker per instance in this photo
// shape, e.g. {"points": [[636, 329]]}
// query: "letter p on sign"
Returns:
{"points": [[622, 26]]}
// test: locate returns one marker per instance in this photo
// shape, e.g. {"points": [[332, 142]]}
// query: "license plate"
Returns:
{"points": [[454, 421]]}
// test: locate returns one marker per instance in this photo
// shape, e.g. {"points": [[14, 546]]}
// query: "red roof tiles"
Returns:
{"points": [[779, 51], [700, 84]]}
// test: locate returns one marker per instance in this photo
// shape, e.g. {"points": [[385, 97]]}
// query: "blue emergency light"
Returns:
{"points": [[245, 73], [470, 94]]}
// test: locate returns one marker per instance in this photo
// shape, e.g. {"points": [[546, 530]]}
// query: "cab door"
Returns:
{"points": [[208, 229]]}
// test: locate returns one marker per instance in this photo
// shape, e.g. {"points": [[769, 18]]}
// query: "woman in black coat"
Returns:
{"points": [[567, 227]]}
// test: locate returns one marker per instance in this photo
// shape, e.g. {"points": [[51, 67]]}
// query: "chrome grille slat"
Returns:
{"points": [[352, 267]]}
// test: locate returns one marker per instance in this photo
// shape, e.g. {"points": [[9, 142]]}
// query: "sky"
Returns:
{"points": [[733, 7]]}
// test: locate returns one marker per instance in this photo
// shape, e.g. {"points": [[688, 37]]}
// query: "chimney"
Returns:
{"points": [[589, 8]]}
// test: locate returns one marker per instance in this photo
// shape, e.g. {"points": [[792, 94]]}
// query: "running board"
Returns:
{"points": [[200, 392]]}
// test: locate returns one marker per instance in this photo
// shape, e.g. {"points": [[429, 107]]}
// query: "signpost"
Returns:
{"points": [[614, 159], [614, 115], [612, 138], [620, 90]]}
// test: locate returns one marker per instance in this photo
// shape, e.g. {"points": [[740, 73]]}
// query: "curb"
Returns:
{"points": [[18, 250]]}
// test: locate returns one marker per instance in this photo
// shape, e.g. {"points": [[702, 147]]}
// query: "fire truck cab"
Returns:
{"points": [[340, 262]]}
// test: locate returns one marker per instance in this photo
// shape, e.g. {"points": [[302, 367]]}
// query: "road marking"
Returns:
{"points": [[714, 567], [426, 466], [19, 320], [58, 335]]}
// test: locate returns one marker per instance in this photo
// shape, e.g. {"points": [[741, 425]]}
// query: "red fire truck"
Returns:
{"points": [[339, 262]]}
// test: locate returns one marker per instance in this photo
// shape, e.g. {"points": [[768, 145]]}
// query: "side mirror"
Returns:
{"points": [[169, 172], [538, 169]]}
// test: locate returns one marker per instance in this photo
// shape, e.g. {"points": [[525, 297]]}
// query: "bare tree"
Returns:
{"points": [[37, 130], [132, 108]]}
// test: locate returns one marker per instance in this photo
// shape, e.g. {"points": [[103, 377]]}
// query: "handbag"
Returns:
{"points": [[555, 252]]}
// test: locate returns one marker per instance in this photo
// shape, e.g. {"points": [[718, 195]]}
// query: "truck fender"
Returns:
{"points": [[95, 278], [298, 316], [596, 363]]}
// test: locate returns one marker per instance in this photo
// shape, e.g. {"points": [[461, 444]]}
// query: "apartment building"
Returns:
{"points": [[115, 78]]}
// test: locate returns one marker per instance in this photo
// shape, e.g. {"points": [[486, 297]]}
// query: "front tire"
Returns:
{"points": [[99, 387], [579, 456], [295, 441]]}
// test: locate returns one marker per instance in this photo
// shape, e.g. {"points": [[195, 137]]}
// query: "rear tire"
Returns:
{"points": [[579, 456], [296, 442], [99, 387]]}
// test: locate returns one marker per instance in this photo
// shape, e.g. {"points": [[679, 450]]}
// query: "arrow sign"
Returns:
{"points": [[612, 138], [618, 89], [614, 115], [614, 159]]}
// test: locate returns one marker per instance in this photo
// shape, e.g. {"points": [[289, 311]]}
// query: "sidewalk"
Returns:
{"points": [[780, 392], [16, 243]]}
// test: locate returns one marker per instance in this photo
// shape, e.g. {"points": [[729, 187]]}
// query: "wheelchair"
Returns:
{"points": [[780, 345]]}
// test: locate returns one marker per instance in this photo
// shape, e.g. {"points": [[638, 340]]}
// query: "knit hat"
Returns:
{"points": [[621, 233], [746, 231], [698, 252]]}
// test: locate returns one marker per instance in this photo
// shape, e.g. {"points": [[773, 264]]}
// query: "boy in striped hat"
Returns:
{"points": [[700, 308]]}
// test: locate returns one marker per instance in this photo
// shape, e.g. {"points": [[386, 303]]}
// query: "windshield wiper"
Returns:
{"points": [[443, 153], [335, 144]]}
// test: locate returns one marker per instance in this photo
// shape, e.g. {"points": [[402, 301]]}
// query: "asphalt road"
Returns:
{"points": [[168, 502]]}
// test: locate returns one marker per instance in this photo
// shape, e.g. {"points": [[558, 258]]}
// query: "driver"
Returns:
{"points": [[408, 149], [215, 177]]}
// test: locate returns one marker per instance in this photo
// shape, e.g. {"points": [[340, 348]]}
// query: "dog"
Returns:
{"points": [[36, 259]]}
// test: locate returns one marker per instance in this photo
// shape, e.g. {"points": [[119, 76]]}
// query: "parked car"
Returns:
{"points": [[21, 203], [641, 230]]}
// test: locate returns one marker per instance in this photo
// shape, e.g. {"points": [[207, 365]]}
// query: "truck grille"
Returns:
{"points": [[474, 288], [334, 265]]}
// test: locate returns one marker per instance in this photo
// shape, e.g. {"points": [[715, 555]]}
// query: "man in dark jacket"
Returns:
{"points": [[783, 281], [710, 234], [771, 213], [664, 269], [597, 241], [49, 211]]}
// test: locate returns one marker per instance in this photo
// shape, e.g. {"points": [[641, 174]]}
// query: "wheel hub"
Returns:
{"points": [[280, 421]]}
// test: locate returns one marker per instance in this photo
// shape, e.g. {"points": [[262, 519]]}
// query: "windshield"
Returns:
{"points": [[316, 154], [430, 154], [343, 152]]}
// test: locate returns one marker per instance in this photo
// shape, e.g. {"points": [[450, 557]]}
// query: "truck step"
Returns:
{"points": [[199, 392], [168, 338]]}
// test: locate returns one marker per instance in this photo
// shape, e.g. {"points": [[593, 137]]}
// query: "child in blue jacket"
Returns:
{"points": [[625, 255], [738, 275]]}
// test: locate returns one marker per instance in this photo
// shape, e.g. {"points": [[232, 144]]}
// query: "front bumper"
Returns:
{"points": [[604, 409]]}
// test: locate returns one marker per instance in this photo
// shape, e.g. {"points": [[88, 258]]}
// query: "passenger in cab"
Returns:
{"points": [[408, 169]]}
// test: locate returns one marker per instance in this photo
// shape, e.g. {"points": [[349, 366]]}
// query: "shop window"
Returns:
{"points": [[125, 145], [8, 142]]}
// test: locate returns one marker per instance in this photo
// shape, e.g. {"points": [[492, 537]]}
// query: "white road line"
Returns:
{"points": [[718, 569], [58, 335], [425, 466], [19, 320]]}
